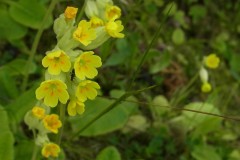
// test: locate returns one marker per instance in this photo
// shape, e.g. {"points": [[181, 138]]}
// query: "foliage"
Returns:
{"points": [[173, 120]]}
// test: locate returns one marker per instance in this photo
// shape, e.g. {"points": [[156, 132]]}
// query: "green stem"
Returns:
{"points": [[35, 149], [109, 108], [35, 44], [148, 49], [62, 110], [80, 15]]}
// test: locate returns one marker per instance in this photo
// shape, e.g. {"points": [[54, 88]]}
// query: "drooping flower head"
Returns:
{"points": [[52, 123], [75, 106], [112, 13], [86, 64], [87, 90], [114, 28], [52, 91], [70, 12], [206, 87], [38, 112], [56, 62], [212, 61], [50, 149], [84, 33]]}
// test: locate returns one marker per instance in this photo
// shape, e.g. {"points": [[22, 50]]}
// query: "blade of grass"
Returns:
{"points": [[148, 49], [227, 117]]}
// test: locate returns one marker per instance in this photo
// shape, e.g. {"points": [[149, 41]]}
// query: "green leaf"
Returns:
{"points": [[178, 36], [203, 123], [111, 121], [198, 11], [8, 88], [24, 149], [6, 137], [163, 62], [124, 51], [203, 152], [173, 9], [109, 153], [17, 67], [30, 13], [10, 29], [22, 104], [234, 62]]}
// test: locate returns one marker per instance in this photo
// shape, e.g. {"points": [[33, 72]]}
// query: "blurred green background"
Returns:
{"points": [[151, 125]]}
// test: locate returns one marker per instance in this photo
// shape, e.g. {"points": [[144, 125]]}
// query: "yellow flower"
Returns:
{"points": [[50, 149], [206, 87], [114, 28], [86, 64], [112, 13], [52, 91], [56, 62], [52, 123], [87, 90], [96, 22], [74, 107], [38, 112], [84, 33], [70, 12], [212, 61]]}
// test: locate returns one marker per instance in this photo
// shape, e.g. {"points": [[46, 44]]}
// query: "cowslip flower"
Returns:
{"points": [[75, 106], [112, 13], [52, 123], [50, 149], [86, 64], [70, 12], [206, 87], [38, 112], [56, 62], [96, 22], [114, 28], [52, 91], [84, 33], [87, 90], [212, 61]]}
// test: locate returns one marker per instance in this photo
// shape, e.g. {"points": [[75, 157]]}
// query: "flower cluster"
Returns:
{"points": [[70, 67], [212, 62]]}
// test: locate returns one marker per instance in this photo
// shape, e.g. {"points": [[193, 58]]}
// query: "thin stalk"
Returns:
{"points": [[62, 110], [35, 149], [227, 117], [148, 49], [35, 44], [109, 108], [80, 15]]}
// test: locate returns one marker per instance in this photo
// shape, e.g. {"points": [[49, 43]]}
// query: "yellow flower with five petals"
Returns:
{"points": [[50, 149], [86, 64], [212, 61], [112, 13], [75, 106], [52, 91], [87, 90], [96, 22], [52, 123], [84, 33], [56, 62], [114, 28]]}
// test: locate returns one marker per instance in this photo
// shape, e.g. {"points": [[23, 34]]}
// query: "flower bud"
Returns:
{"points": [[91, 9], [203, 75], [103, 3]]}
